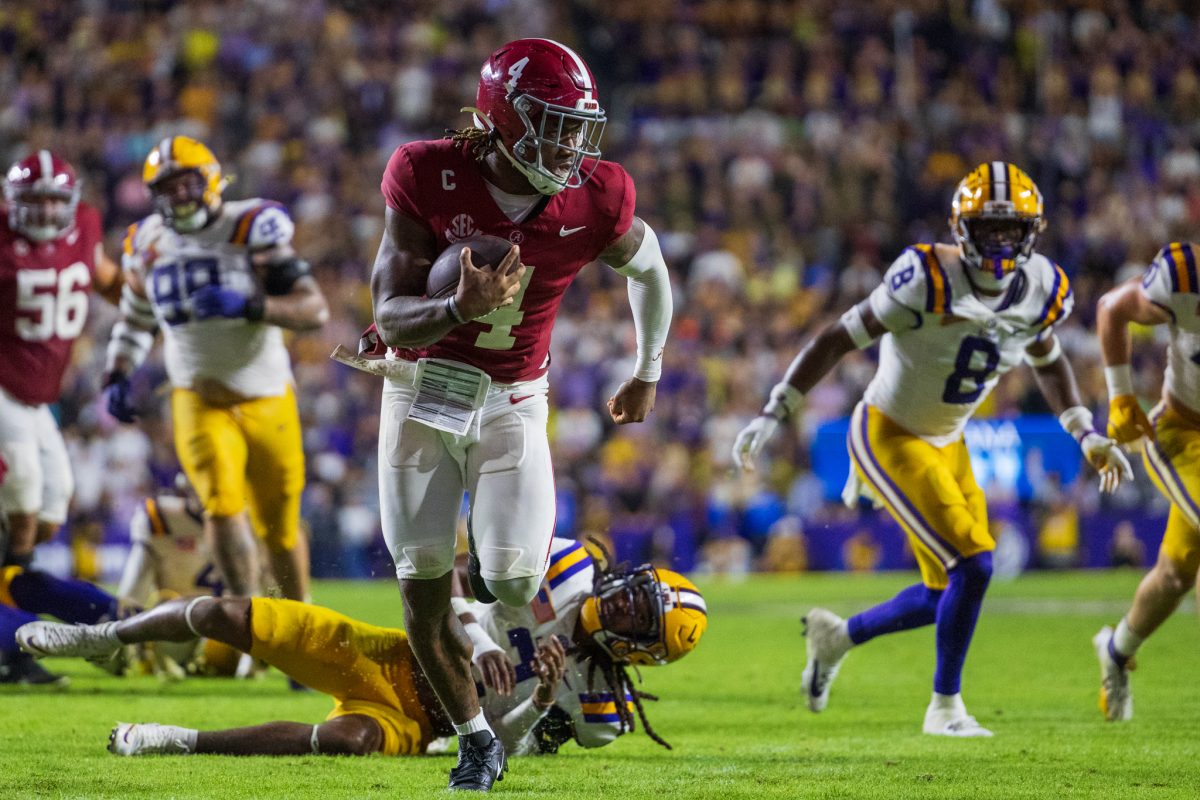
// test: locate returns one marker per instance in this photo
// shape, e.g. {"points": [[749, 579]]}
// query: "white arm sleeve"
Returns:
{"points": [[652, 304]]}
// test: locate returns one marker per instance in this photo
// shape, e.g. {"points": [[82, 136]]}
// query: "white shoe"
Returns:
{"points": [[139, 739], [93, 642], [1116, 695], [827, 645], [952, 720]]}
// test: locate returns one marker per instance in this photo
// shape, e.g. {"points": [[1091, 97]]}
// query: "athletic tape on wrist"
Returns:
{"points": [[1119, 379]]}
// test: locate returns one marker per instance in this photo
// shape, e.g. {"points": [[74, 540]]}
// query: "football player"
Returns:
{"points": [[221, 281], [528, 172], [51, 256], [584, 623], [1168, 294], [953, 318]]}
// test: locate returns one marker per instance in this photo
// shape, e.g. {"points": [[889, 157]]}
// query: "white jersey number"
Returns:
{"points": [[504, 319], [59, 300], [974, 365]]}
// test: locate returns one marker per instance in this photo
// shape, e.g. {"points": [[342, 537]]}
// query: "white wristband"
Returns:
{"points": [[481, 642], [1077, 421], [783, 401], [1119, 379]]}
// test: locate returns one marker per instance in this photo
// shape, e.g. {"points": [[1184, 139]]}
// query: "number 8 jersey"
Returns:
{"points": [[945, 350], [247, 357]]}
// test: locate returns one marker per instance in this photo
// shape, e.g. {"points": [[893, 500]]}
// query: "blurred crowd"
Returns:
{"points": [[784, 151]]}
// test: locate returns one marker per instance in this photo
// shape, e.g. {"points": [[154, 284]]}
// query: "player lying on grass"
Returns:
{"points": [[564, 658]]}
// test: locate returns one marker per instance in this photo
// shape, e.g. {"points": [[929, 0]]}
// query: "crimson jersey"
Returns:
{"points": [[43, 304], [440, 184]]}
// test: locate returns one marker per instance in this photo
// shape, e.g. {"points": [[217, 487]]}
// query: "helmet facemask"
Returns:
{"points": [[179, 197], [554, 132], [42, 213], [628, 608]]}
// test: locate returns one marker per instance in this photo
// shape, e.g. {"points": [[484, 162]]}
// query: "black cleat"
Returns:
{"points": [[23, 669], [479, 766], [474, 577]]}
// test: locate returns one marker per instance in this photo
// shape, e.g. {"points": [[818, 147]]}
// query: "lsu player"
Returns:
{"points": [[221, 281], [953, 318], [529, 172], [51, 255], [608, 620], [168, 556], [1167, 294]]}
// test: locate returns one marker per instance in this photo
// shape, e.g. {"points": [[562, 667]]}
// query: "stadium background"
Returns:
{"points": [[784, 151]]}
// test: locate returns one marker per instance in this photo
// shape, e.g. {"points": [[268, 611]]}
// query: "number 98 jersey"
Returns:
{"points": [[247, 357], [945, 350]]}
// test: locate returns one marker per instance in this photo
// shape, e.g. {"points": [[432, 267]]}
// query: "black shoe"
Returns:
{"points": [[22, 668], [478, 585], [479, 766]]}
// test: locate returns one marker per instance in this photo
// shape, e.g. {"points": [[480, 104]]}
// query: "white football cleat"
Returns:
{"points": [[93, 642], [827, 644], [147, 738], [952, 720], [1116, 695]]}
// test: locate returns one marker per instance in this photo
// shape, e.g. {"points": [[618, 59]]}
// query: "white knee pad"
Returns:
{"points": [[423, 560], [21, 490], [515, 592]]}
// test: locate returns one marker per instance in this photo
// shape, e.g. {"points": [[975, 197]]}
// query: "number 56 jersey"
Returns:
{"points": [[945, 349], [247, 357]]}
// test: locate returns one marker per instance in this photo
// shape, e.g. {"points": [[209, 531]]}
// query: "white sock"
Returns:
{"points": [[843, 630], [1125, 641], [477, 723], [188, 735], [107, 631], [948, 702]]}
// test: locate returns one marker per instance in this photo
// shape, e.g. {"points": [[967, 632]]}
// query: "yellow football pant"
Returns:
{"points": [[245, 455], [930, 491], [368, 670], [1173, 461]]}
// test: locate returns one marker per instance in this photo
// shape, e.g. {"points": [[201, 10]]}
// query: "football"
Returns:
{"points": [[486, 251]]}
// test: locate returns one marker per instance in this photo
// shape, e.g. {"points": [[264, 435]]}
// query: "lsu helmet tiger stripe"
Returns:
{"points": [[645, 617], [996, 215], [188, 204]]}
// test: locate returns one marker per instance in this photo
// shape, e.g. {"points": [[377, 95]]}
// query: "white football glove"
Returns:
{"points": [[751, 440], [1105, 455]]}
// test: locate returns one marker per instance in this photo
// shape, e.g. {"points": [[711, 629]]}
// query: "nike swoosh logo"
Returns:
{"points": [[518, 398], [565, 231], [657, 356]]}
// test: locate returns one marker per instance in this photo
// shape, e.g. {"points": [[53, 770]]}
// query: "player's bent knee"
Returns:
{"points": [[515, 591], [351, 735], [976, 570], [423, 562], [1173, 577]]}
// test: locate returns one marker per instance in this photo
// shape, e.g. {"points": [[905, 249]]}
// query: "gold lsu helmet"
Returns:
{"points": [[996, 216], [177, 155], [645, 617]]}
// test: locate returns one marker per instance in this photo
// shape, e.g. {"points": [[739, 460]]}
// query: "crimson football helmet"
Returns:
{"points": [[29, 184], [540, 99]]}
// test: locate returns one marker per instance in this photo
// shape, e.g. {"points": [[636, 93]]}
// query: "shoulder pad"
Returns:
{"points": [[138, 237], [264, 224], [917, 280], [1057, 297], [1175, 267]]}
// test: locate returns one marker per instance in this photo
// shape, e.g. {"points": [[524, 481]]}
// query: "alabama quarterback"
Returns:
{"points": [[953, 319], [51, 255], [1167, 294], [221, 280], [562, 663], [528, 172]]}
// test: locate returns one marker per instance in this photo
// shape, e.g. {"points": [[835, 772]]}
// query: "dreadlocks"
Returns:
{"points": [[614, 673], [481, 141]]}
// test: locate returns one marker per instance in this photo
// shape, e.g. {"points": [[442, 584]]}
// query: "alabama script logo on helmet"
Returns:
{"points": [[540, 98]]}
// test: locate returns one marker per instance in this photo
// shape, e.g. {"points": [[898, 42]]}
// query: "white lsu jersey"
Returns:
{"points": [[945, 350], [1171, 283], [169, 553], [553, 612], [247, 357]]}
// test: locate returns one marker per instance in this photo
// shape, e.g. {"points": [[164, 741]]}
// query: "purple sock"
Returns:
{"points": [[956, 616], [10, 620], [914, 607], [71, 601]]}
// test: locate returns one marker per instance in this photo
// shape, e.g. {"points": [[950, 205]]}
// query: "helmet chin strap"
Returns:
{"points": [[538, 181]]}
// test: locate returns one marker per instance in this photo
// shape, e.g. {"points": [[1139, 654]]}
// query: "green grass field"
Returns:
{"points": [[732, 710]]}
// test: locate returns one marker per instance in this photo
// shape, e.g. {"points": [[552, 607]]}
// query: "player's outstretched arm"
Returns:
{"points": [[128, 345], [857, 328], [404, 317], [1118, 307], [637, 256], [1056, 380]]}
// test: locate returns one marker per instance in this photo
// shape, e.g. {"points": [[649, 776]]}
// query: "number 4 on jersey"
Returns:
{"points": [[504, 319]]}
